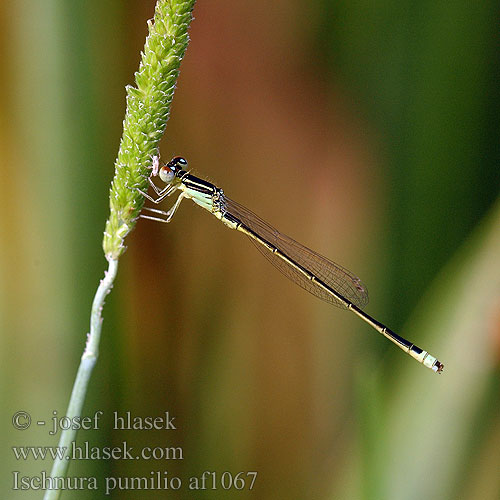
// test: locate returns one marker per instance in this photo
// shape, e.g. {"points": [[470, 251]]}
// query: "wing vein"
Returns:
{"points": [[335, 276]]}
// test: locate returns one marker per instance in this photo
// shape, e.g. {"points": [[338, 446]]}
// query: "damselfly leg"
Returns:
{"points": [[168, 214], [162, 194]]}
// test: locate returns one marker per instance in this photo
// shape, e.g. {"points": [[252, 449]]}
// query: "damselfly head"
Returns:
{"points": [[168, 172]]}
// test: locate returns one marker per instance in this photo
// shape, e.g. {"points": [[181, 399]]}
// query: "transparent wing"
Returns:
{"points": [[337, 277]]}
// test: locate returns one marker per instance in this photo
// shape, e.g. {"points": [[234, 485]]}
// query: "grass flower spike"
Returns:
{"points": [[148, 108]]}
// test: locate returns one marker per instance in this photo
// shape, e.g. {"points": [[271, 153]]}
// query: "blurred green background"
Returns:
{"points": [[368, 131]]}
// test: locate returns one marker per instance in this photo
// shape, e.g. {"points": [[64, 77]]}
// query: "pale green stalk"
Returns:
{"points": [[148, 107]]}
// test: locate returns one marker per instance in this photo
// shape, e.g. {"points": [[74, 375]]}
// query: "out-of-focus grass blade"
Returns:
{"points": [[432, 420]]}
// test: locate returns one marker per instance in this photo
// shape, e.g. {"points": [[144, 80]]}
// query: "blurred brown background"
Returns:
{"points": [[369, 132]]}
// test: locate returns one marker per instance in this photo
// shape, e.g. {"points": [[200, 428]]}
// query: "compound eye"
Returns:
{"points": [[179, 162], [166, 174]]}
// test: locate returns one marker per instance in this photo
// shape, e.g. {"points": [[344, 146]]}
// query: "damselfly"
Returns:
{"points": [[310, 270]]}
